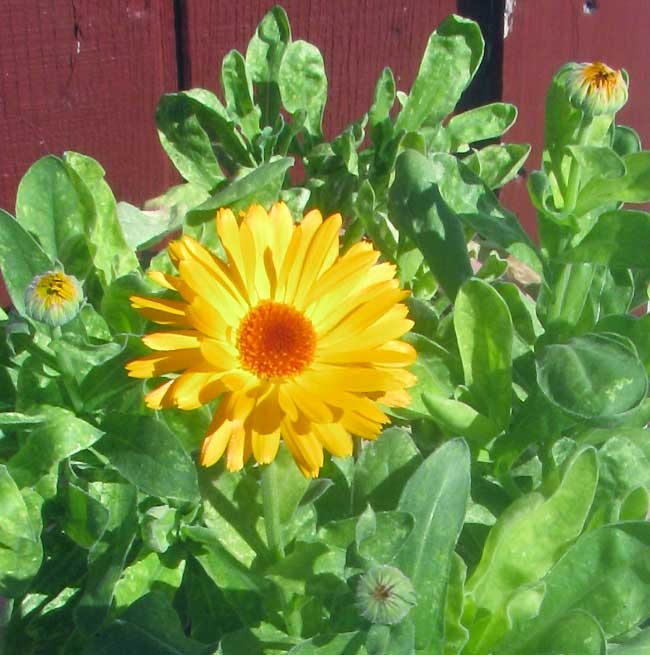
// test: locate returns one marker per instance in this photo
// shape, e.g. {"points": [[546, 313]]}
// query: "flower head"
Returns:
{"points": [[385, 595], [302, 344], [53, 298], [596, 88]]}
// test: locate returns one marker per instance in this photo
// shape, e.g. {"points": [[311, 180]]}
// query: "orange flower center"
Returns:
{"points": [[275, 341], [55, 289], [600, 76]]}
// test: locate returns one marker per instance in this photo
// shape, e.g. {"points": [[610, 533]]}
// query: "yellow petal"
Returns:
{"points": [[393, 353], [237, 453], [322, 252], [335, 438], [306, 450], [228, 231], [265, 446], [215, 441], [267, 415], [173, 340], [156, 399], [160, 310], [308, 403], [282, 229], [160, 363], [292, 266], [219, 353]]}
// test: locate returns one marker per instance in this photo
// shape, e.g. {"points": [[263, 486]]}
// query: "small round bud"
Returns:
{"points": [[596, 88], [385, 595], [54, 298]]}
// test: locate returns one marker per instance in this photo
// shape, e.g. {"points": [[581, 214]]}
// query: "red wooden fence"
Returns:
{"points": [[86, 75]]}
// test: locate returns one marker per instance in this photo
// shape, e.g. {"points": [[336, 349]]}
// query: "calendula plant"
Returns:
{"points": [[275, 436]]}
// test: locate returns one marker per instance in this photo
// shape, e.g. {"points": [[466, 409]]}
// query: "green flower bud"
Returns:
{"points": [[54, 298], [596, 88], [385, 595]]}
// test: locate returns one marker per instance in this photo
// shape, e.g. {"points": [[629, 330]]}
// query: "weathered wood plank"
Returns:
{"points": [[356, 39], [86, 76], [541, 36]]}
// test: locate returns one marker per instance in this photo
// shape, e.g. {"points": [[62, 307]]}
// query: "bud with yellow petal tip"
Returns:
{"points": [[54, 298], [596, 88]]}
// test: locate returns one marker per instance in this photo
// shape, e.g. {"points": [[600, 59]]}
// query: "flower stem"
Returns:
{"points": [[271, 505]]}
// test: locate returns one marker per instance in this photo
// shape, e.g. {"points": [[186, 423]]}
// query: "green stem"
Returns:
{"points": [[271, 505], [67, 375], [273, 526], [6, 607]]}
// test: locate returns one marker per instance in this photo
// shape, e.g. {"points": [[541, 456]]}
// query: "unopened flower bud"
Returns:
{"points": [[54, 298], [385, 595], [596, 88]]}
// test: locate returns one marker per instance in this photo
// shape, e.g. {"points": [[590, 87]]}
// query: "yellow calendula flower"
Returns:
{"points": [[596, 88], [54, 298], [302, 343]]}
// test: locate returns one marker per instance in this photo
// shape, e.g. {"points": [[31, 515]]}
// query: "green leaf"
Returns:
{"points": [[380, 536], [303, 83], [616, 240], [596, 376], [626, 140], [575, 632], [382, 469], [107, 557], [522, 310], [62, 435], [485, 122], [456, 418], [484, 334], [450, 60], [238, 92], [311, 568], [391, 640], [21, 551], [418, 210], [147, 453], [149, 627], [479, 209], [563, 309], [59, 211], [638, 645], [21, 259], [456, 634], [384, 99], [597, 161], [498, 164], [85, 517], [347, 643], [243, 590], [436, 496], [10, 420], [263, 58], [144, 228], [110, 252], [605, 574], [632, 187], [636, 329], [260, 185], [188, 123], [523, 545], [434, 370], [152, 572]]}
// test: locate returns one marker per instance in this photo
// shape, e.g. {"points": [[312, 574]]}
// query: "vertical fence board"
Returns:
{"points": [[541, 36], [356, 39], [85, 76]]}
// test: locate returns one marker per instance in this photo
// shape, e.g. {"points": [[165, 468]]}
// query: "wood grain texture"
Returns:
{"points": [[86, 76], [357, 39], [544, 34]]}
